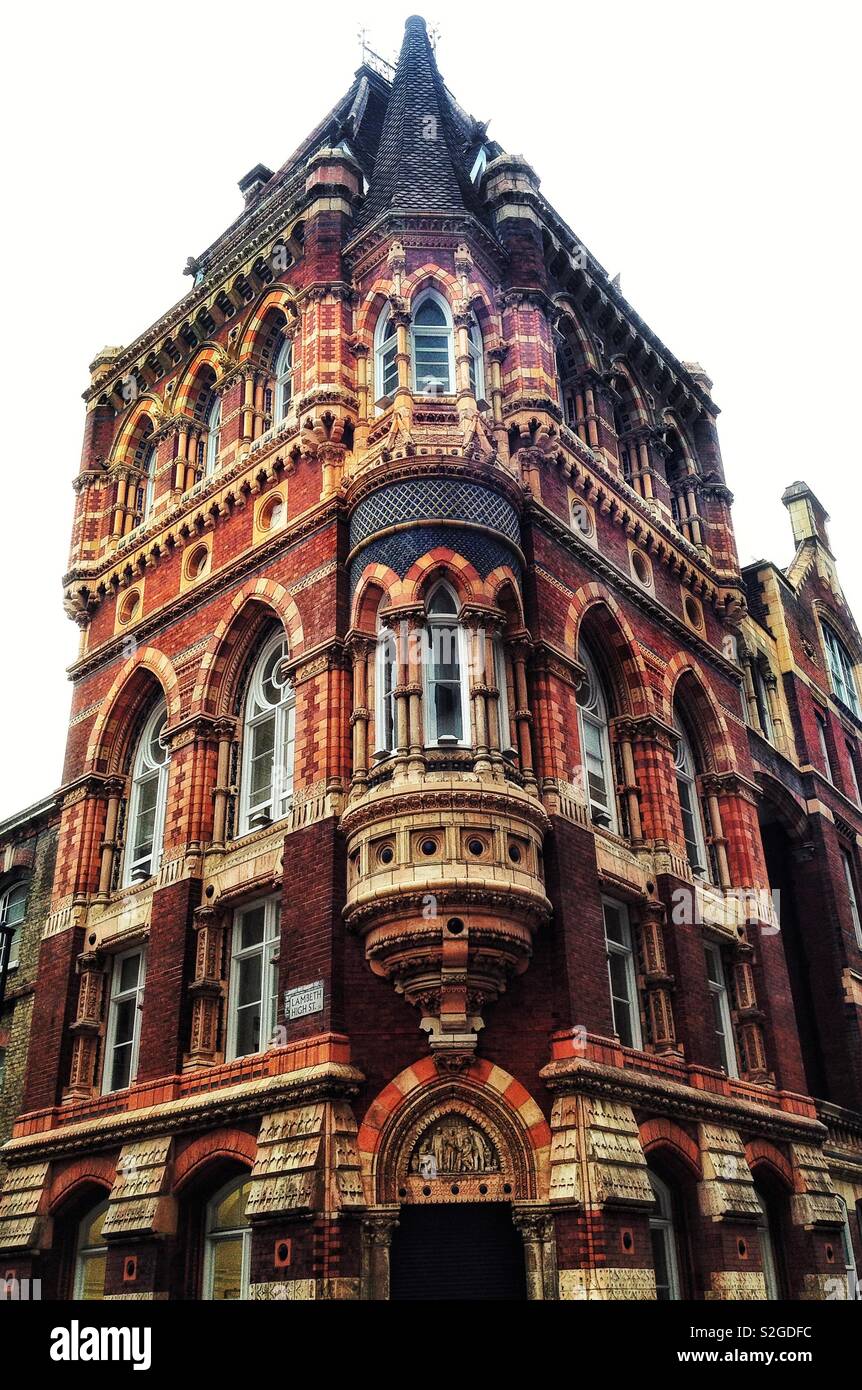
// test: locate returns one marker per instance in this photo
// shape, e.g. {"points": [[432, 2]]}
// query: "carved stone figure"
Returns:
{"points": [[453, 1145]]}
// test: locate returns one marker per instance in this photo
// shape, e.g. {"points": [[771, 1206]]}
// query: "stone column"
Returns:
{"points": [[658, 980], [536, 1228], [523, 716], [224, 730], [115, 789], [361, 649], [86, 1027], [378, 1224], [206, 989]]}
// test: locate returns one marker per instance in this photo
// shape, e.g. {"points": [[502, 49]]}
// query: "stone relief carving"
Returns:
{"points": [[453, 1145]]}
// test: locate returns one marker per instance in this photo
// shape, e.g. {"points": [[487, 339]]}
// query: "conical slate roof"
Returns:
{"points": [[420, 161]]}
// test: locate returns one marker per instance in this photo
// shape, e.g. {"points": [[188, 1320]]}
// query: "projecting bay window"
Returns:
{"points": [[720, 1004], [253, 997], [622, 973], [124, 1020], [146, 821]]}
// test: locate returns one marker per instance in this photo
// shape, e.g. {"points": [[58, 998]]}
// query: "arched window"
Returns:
{"points": [[213, 436], [385, 364], [91, 1255], [433, 346], [12, 904], [477, 360], [768, 1236], [501, 672], [663, 1238], [689, 801], [283, 380], [268, 739], [841, 669], [447, 714], [148, 467], [596, 746], [227, 1243], [385, 679], [147, 800]]}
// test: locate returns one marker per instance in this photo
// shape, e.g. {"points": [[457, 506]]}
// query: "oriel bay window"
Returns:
{"points": [[124, 1020], [595, 746], [253, 997], [227, 1243], [719, 994], [147, 799], [385, 680], [622, 973], [269, 735], [385, 358], [447, 713]]}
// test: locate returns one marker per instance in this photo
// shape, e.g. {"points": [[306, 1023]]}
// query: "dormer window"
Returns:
{"points": [[433, 346]]}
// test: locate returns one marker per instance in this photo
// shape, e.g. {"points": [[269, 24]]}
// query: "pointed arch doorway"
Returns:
{"points": [[457, 1251]]}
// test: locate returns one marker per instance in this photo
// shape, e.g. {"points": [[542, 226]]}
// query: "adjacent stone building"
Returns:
{"points": [[412, 931]]}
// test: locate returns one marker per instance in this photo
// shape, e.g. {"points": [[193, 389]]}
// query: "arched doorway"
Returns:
{"points": [[457, 1251]]}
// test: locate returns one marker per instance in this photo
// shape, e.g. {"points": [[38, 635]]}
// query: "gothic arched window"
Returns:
{"points": [[433, 346], [269, 734], [283, 381], [663, 1237], [227, 1243], [147, 800], [385, 364], [213, 435], [447, 714], [91, 1255], [689, 801], [596, 746]]}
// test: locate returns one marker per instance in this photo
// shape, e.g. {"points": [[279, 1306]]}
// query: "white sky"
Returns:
{"points": [[709, 153]]}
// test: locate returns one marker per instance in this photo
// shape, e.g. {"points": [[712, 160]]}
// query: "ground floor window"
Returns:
{"points": [[663, 1237], [91, 1255], [227, 1243]]}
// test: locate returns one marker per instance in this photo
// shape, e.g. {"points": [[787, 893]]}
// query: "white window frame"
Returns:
{"points": [[283, 382], [476, 349], [445, 330], [720, 997], [87, 1252], [385, 666], [841, 669], [116, 998], [853, 1290], [11, 946], [761, 699], [268, 950], [850, 880], [503, 713], [686, 777], [593, 713], [662, 1224], [623, 950], [213, 1238], [451, 621], [145, 770], [385, 341], [820, 720], [148, 464], [213, 423], [280, 799]]}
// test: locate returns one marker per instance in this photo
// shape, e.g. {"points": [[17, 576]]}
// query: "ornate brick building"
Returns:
{"points": [[411, 932]]}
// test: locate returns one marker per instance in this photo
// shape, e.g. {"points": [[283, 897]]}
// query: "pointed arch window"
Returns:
{"points": [[283, 380], [12, 906], [477, 360], [91, 1255], [841, 669], [227, 1243], [148, 467], [385, 358], [447, 713], [596, 746], [385, 680], [147, 800], [689, 801], [433, 346], [213, 438], [663, 1237], [269, 736]]}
